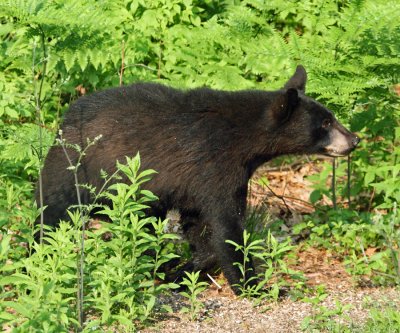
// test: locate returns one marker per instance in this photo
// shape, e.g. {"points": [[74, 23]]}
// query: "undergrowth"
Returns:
{"points": [[120, 276]]}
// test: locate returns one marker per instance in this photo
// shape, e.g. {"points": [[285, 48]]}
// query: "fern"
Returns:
{"points": [[349, 48], [345, 62]]}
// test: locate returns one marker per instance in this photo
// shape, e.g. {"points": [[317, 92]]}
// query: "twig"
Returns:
{"points": [[159, 61], [285, 167], [286, 197], [349, 180], [334, 182], [74, 169], [80, 263], [363, 252], [104, 185], [141, 65], [215, 282], [121, 73], [38, 107], [280, 197], [383, 274], [371, 199]]}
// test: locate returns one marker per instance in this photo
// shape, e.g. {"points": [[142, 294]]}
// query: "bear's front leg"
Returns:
{"points": [[229, 227]]}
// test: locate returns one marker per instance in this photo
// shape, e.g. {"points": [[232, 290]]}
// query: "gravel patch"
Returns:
{"points": [[227, 313]]}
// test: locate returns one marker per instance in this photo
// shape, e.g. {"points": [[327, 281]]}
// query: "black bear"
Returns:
{"points": [[205, 145]]}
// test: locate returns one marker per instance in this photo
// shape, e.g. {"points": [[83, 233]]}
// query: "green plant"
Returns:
{"points": [[383, 265], [390, 232], [17, 215], [124, 271], [336, 318], [42, 288], [248, 249], [386, 320], [269, 256], [340, 230], [350, 234], [322, 317], [81, 215], [119, 276], [195, 288]]}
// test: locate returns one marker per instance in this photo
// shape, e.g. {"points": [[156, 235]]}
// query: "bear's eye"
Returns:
{"points": [[326, 123]]}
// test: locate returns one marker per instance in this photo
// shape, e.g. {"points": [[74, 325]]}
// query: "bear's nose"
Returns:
{"points": [[356, 140]]}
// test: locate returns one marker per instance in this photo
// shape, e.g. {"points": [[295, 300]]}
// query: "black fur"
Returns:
{"points": [[205, 144]]}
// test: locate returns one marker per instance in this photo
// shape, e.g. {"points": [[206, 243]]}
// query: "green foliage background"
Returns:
{"points": [[51, 52], [58, 49]]}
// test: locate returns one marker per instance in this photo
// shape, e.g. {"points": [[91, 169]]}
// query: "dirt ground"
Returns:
{"points": [[224, 312]]}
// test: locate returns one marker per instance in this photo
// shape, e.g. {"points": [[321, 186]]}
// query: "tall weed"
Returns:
{"points": [[120, 275]]}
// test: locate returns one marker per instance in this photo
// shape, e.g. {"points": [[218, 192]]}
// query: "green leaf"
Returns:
{"points": [[26, 312], [82, 58], [17, 279], [315, 196], [6, 316], [69, 59]]}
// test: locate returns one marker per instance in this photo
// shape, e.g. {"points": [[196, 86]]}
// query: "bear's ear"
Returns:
{"points": [[298, 80], [283, 105]]}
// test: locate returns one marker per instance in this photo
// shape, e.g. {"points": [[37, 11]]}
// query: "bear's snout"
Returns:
{"points": [[356, 140], [341, 141]]}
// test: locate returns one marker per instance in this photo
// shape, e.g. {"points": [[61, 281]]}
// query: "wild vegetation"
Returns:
{"points": [[52, 52]]}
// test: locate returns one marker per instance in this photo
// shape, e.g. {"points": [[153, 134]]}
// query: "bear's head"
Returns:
{"points": [[306, 126]]}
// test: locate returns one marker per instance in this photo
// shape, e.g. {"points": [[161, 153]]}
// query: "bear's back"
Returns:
{"points": [[139, 98]]}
